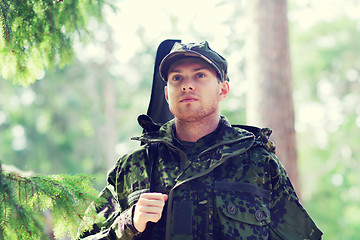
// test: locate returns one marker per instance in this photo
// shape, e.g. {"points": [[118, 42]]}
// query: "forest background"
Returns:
{"points": [[79, 119]]}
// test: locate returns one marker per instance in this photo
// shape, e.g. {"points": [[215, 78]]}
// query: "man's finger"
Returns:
{"points": [[152, 202], [150, 209]]}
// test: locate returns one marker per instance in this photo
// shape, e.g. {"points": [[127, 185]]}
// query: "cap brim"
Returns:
{"points": [[175, 56]]}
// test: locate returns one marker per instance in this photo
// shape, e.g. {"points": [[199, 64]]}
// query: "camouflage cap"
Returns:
{"points": [[200, 50]]}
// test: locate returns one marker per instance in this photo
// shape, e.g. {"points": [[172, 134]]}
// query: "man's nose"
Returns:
{"points": [[188, 84]]}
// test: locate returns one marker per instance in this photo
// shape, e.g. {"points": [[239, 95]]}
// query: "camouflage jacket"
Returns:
{"points": [[234, 189]]}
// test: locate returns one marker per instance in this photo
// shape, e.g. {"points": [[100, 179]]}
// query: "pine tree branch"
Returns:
{"points": [[4, 7], [32, 30], [67, 197], [21, 213], [4, 198]]}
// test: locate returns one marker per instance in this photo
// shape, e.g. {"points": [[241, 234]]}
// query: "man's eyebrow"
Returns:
{"points": [[202, 68], [174, 71], [194, 69]]}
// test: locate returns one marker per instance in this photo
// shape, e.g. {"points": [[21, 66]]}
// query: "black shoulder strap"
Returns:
{"points": [[153, 154]]}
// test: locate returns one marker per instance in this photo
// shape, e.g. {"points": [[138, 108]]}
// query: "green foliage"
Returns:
{"points": [[57, 124], [25, 198], [35, 35]]}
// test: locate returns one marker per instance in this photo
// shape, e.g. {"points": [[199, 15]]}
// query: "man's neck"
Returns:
{"points": [[191, 131]]}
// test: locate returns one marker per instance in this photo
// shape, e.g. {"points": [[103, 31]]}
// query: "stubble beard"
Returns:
{"points": [[190, 114]]}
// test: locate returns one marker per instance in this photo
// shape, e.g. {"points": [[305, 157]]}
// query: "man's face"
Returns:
{"points": [[193, 90]]}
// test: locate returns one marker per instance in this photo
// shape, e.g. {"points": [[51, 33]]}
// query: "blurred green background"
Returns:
{"points": [[79, 119]]}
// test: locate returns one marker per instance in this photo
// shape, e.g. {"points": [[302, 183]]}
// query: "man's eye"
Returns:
{"points": [[200, 75], [176, 78]]}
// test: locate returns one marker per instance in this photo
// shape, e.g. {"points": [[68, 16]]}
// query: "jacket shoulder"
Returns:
{"points": [[128, 163], [262, 136]]}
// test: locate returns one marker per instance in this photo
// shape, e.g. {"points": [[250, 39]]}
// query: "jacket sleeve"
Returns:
{"points": [[114, 219], [110, 222], [289, 220]]}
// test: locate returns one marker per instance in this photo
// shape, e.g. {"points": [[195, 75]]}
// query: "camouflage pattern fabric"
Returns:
{"points": [[235, 188]]}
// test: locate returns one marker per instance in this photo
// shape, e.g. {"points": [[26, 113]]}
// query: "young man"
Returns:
{"points": [[204, 179]]}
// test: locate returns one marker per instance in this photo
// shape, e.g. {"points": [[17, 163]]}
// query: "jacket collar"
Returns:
{"points": [[227, 135]]}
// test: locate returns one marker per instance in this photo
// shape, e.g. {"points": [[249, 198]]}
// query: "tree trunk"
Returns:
{"points": [[268, 71], [110, 124], [110, 109]]}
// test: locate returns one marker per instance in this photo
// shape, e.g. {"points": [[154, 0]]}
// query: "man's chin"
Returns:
{"points": [[190, 116]]}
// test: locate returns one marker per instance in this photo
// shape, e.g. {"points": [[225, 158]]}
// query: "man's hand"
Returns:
{"points": [[148, 209]]}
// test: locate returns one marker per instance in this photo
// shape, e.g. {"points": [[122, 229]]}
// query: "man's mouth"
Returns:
{"points": [[188, 99]]}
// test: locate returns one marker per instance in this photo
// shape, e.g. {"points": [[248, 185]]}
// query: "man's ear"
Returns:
{"points": [[224, 90], [166, 94]]}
